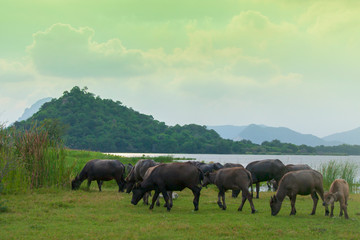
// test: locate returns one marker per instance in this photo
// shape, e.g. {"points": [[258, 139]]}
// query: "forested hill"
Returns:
{"points": [[105, 125], [88, 122]]}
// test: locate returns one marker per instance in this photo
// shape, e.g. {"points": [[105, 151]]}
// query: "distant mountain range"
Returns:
{"points": [[33, 109], [255, 133], [260, 133]]}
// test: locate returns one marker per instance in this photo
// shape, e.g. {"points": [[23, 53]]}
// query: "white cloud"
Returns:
{"points": [[63, 50]]}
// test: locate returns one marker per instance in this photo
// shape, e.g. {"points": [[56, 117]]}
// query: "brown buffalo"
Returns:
{"points": [[339, 191], [237, 178], [170, 177], [234, 193], [303, 182]]}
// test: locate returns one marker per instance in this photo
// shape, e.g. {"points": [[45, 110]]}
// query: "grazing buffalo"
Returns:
{"points": [[101, 170], [339, 191], [208, 167], [236, 178], [288, 168], [235, 193], [170, 177], [302, 182], [265, 170], [137, 174]]}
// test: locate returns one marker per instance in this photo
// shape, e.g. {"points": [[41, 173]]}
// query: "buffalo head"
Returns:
{"points": [[275, 205]]}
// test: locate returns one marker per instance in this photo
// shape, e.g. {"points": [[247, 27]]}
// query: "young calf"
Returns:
{"points": [[237, 178], [339, 191]]}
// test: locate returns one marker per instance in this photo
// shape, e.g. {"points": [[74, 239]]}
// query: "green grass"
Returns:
{"points": [[65, 214]]}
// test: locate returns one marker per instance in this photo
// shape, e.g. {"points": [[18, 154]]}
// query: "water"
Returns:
{"points": [[313, 161]]}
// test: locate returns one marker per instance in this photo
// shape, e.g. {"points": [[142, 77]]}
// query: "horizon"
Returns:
{"points": [[274, 63]]}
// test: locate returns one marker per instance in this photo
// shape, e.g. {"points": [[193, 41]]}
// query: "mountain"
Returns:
{"points": [[33, 109], [351, 137], [260, 133], [228, 131]]}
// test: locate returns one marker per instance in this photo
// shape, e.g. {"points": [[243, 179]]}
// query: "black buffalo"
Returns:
{"points": [[208, 167], [137, 174], [170, 177], [265, 170], [101, 170]]}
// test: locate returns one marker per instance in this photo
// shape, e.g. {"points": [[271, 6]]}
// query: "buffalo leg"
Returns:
{"points": [[170, 198], [315, 200], [121, 183], [246, 195], [166, 198], [223, 199], [99, 184], [219, 200], [343, 207], [332, 210], [257, 189], [89, 183], [146, 198], [154, 199], [196, 191], [293, 209]]}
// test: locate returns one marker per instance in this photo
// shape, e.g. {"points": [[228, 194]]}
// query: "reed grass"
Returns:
{"points": [[344, 170], [31, 159]]}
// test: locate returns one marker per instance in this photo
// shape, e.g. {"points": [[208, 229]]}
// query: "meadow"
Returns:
{"points": [[89, 214]]}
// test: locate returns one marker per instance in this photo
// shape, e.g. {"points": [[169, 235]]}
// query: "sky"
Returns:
{"points": [[279, 63]]}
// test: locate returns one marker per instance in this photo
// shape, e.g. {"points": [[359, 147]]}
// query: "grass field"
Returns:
{"points": [[89, 214]]}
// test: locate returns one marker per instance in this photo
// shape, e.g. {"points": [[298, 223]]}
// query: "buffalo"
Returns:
{"points": [[339, 191], [234, 193], [236, 178], [137, 174], [302, 182], [288, 168], [101, 170], [208, 167], [265, 170], [170, 177]]}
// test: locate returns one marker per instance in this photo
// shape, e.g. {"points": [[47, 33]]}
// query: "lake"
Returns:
{"points": [[313, 161]]}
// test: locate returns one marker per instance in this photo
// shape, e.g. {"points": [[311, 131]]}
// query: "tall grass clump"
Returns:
{"points": [[344, 170], [43, 157], [31, 159], [12, 171]]}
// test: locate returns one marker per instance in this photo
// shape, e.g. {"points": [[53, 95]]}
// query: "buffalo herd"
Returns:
{"points": [[163, 178]]}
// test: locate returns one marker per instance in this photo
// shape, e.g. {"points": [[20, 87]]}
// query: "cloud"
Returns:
{"points": [[63, 50], [14, 71]]}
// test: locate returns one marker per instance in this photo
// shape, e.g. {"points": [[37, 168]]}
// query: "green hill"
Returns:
{"points": [[104, 125]]}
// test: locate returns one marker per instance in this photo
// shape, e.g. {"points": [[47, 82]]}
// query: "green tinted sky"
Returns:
{"points": [[278, 63]]}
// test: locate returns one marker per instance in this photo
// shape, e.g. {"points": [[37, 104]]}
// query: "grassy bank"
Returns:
{"points": [[65, 214]]}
